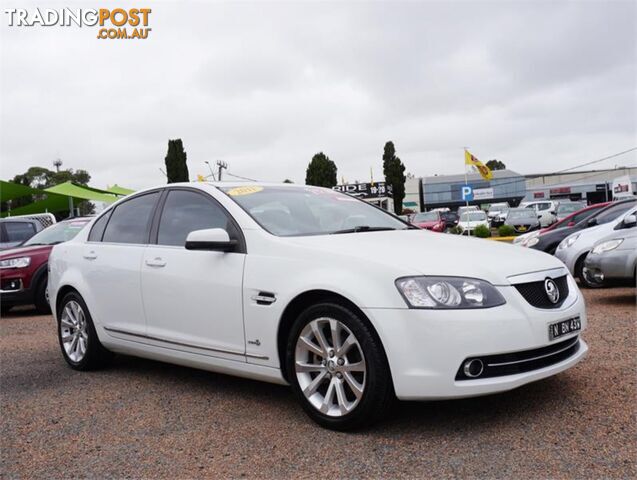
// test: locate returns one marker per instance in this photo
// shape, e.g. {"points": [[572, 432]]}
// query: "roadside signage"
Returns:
{"points": [[366, 190], [482, 193], [467, 193], [622, 187]]}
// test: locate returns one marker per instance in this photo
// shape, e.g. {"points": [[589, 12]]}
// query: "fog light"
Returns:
{"points": [[12, 285], [473, 368]]}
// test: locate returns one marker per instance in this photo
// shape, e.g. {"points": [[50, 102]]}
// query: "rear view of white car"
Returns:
{"points": [[296, 285]]}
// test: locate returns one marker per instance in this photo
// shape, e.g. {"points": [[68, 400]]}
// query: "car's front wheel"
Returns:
{"points": [[80, 345], [338, 368]]}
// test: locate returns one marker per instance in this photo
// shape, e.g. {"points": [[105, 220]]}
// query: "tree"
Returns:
{"points": [[394, 172], [41, 178], [176, 168], [321, 171], [496, 165]]}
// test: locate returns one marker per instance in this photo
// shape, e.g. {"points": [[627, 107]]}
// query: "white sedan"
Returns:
{"points": [[470, 220], [310, 287]]}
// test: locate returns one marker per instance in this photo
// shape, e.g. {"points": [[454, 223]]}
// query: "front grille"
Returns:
{"points": [[535, 293], [524, 361]]}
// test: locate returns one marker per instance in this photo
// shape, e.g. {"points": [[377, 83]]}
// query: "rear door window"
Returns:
{"points": [[130, 221]]}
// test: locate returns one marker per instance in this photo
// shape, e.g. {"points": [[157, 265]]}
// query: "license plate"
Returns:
{"points": [[559, 329], [522, 228]]}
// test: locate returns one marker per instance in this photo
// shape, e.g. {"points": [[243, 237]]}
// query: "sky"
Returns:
{"points": [[263, 86]]}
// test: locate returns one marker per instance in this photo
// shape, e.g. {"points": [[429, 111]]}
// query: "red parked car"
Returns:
{"points": [[430, 221], [23, 269]]}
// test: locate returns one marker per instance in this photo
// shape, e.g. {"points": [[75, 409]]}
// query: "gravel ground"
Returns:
{"points": [[146, 419]]}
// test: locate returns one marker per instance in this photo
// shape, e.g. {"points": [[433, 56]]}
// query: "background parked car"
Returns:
{"points": [[467, 208], [16, 230], [545, 210], [522, 220], [496, 213], [450, 218], [548, 242], [613, 258], [572, 251], [564, 209], [23, 269], [430, 221], [527, 240], [471, 219]]}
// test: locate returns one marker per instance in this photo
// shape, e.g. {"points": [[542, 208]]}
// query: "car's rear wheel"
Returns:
{"points": [[338, 368], [80, 345]]}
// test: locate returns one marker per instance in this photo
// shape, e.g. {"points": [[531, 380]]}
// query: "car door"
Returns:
{"points": [[112, 257], [193, 298]]}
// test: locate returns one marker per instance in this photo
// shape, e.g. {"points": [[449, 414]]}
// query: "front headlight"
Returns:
{"points": [[448, 292], [19, 262], [532, 241], [607, 246], [568, 241]]}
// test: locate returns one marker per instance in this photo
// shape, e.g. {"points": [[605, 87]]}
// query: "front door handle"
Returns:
{"points": [[90, 255], [156, 262]]}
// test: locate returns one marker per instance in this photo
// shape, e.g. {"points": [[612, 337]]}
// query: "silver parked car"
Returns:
{"points": [[613, 258], [522, 220]]}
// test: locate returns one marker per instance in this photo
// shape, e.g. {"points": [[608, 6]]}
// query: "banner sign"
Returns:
{"points": [[622, 187], [366, 190], [482, 193]]}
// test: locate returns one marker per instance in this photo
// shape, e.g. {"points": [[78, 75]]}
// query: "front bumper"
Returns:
{"points": [[425, 348], [612, 265], [13, 290]]}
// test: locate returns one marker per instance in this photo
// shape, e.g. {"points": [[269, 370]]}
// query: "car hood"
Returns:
{"points": [[23, 251], [414, 252]]}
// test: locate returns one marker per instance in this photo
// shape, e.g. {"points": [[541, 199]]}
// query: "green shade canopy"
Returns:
{"points": [[82, 192], [117, 190], [57, 197], [9, 191]]}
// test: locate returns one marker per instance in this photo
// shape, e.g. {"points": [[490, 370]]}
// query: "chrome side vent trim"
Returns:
{"points": [[264, 298]]}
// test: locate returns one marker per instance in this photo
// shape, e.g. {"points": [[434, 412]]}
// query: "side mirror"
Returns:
{"points": [[592, 222], [570, 224], [214, 239], [552, 212], [539, 216], [629, 221]]}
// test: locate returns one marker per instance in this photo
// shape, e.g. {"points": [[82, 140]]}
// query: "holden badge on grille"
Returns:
{"points": [[552, 292]]}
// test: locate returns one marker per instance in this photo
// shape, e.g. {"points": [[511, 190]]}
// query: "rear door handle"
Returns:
{"points": [[156, 262], [90, 255]]}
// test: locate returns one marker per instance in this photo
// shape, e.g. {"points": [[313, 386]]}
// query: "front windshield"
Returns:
{"points": [[520, 214], [426, 217], [473, 216], [566, 208], [296, 211], [58, 233], [498, 207]]}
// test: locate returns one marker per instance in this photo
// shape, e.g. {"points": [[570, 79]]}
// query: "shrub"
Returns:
{"points": [[506, 231], [455, 230], [482, 231]]}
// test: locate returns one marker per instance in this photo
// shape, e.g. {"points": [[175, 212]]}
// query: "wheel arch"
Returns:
{"points": [[62, 291], [306, 299]]}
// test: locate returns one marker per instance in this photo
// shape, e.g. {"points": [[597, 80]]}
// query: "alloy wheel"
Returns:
{"points": [[330, 367], [73, 331]]}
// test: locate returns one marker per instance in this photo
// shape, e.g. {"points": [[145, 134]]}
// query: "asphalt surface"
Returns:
{"points": [[146, 419]]}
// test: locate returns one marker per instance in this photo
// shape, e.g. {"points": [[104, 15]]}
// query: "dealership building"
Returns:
{"points": [[592, 186]]}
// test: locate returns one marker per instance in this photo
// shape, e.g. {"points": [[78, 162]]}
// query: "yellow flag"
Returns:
{"points": [[483, 170]]}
